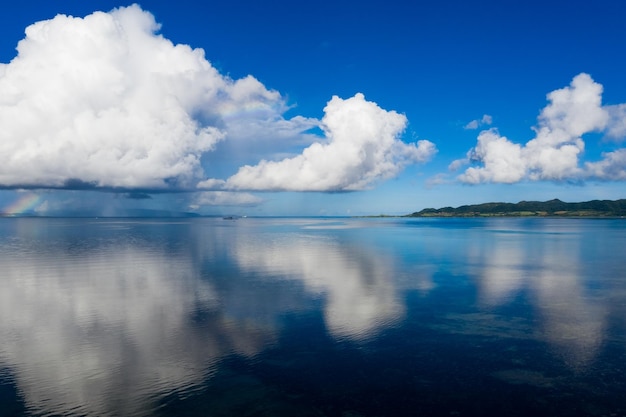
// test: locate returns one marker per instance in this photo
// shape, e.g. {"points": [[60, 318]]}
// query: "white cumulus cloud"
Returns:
{"points": [[362, 146], [105, 101], [502, 160], [555, 151]]}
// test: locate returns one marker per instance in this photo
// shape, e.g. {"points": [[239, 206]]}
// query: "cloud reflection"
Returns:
{"points": [[107, 320], [105, 324], [546, 266], [358, 285], [101, 330]]}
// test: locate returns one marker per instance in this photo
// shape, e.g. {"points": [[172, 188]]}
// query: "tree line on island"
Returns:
{"points": [[556, 207]]}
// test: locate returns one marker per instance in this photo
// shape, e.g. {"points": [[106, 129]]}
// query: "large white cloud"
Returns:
{"points": [[105, 100], [555, 151], [362, 147]]}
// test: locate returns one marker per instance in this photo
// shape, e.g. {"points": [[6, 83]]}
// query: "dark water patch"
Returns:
{"points": [[11, 404]]}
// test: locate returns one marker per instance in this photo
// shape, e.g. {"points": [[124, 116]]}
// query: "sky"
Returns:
{"points": [[329, 108]]}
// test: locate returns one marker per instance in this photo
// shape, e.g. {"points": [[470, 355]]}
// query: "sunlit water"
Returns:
{"points": [[313, 317]]}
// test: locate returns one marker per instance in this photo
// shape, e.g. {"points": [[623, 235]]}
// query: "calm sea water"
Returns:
{"points": [[313, 317]]}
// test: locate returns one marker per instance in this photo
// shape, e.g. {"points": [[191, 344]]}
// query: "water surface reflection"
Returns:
{"points": [[550, 266], [105, 317], [98, 326]]}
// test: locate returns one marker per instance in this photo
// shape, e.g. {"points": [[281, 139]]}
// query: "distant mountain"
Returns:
{"points": [[594, 208]]}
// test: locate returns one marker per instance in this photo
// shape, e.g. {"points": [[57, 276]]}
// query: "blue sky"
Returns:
{"points": [[326, 108]]}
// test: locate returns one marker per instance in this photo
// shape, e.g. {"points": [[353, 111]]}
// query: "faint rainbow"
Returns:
{"points": [[22, 205]]}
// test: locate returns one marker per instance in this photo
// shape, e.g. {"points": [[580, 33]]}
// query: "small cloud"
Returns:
{"points": [[486, 120], [436, 180], [471, 125], [458, 164], [612, 167]]}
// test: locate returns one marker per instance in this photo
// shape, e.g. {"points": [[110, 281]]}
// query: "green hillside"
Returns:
{"points": [[558, 208]]}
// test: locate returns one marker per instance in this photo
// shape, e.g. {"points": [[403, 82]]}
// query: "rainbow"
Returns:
{"points": [[22, 205]]}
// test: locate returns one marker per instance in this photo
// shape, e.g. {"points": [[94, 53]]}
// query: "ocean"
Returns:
{"points": [[341, 317]]}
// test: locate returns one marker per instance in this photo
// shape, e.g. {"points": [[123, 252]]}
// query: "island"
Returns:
{"points": [[552, 208]]}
